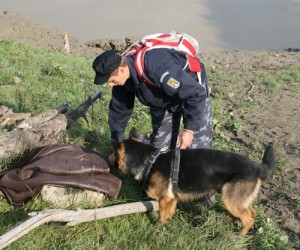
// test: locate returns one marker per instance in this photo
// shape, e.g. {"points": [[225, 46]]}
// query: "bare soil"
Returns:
{"points": [[273, 116]]}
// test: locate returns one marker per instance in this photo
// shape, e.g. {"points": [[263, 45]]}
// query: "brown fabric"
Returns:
{"points": [[59, 164]]}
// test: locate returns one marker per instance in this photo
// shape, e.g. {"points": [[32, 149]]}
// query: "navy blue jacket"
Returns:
{"points": [[175, 85]]}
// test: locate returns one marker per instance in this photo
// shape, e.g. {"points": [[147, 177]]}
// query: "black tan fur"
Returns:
{"points": [[202, 171]]}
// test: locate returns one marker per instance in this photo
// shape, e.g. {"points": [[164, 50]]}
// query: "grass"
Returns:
{"points": [[46, 79], [286, 75]]}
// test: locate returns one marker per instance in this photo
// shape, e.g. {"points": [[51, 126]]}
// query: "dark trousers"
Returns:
{"points": [[166, 126]]}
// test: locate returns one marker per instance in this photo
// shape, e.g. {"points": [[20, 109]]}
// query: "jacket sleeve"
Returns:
{"points": [[168, 74], [120, 110]]}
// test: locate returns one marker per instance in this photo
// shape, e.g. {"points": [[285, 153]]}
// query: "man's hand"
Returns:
{"points": [[186, 138]]}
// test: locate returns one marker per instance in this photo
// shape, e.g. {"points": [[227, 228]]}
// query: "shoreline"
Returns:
{"points": [[217, 25]]}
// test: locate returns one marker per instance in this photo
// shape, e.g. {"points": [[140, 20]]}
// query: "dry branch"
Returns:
{"points": [[74, 217], [42, 129], [67, 45], [252, 88], [11, 119], [8, 117]]}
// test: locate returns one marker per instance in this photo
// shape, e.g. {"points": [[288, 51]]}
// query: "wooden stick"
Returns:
{"points": [[74, 217], [11, 119], [67, 45]]}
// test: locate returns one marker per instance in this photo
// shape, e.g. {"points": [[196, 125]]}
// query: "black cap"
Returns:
{"points": [[105, 64]]}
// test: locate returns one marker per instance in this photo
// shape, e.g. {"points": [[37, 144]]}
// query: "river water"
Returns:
{"points": [[216, 24]]}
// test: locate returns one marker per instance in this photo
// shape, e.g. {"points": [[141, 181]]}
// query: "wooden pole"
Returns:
{"points": [[74, 217]]}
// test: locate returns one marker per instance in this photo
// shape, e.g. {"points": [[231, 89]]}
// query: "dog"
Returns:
{"points": [[201, 171]]}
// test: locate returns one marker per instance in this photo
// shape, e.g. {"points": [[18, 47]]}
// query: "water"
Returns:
{"points": [[217, 24]]}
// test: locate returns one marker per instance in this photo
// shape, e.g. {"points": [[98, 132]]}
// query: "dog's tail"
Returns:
{"points": [[268, 163]]}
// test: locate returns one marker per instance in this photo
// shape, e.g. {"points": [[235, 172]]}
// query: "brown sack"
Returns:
{"points": [[59, 164]]}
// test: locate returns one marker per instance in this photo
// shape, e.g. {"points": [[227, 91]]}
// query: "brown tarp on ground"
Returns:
{"points": [[62, 165]]}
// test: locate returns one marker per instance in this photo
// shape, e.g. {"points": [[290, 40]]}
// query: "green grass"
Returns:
{"points": [[289, 75], [50, 78]]}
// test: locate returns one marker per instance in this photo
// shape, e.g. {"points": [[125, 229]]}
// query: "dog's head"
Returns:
{"points": [[120, 150], [131, 154], [119, 153]]}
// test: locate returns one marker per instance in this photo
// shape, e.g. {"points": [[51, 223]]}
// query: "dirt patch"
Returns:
{"points": [[272, 117]]}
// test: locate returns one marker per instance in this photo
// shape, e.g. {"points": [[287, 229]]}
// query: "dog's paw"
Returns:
{"points": [[162, 221], [158, 223]]}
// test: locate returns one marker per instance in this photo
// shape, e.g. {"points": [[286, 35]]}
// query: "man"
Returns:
{"points": [[177, 94]]}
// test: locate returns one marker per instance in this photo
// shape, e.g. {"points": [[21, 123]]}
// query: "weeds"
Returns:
{"points": [[287, 75], [234, 125]]}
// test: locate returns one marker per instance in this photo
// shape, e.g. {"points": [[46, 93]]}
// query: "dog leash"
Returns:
{"points": [[174, 167], [175, 170], [152, 159]]}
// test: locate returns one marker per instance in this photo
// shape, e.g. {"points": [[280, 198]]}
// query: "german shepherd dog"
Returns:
{"points": [[201, 171]]}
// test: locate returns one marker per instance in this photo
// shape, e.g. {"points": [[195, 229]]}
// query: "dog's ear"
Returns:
{"points": [[134, 134]]}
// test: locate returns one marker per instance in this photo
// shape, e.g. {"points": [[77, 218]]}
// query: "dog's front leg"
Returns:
{"points": [[167, 207]]}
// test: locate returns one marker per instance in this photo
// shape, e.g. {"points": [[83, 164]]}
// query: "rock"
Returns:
{"points": [[62, 197], [17, 80]]}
